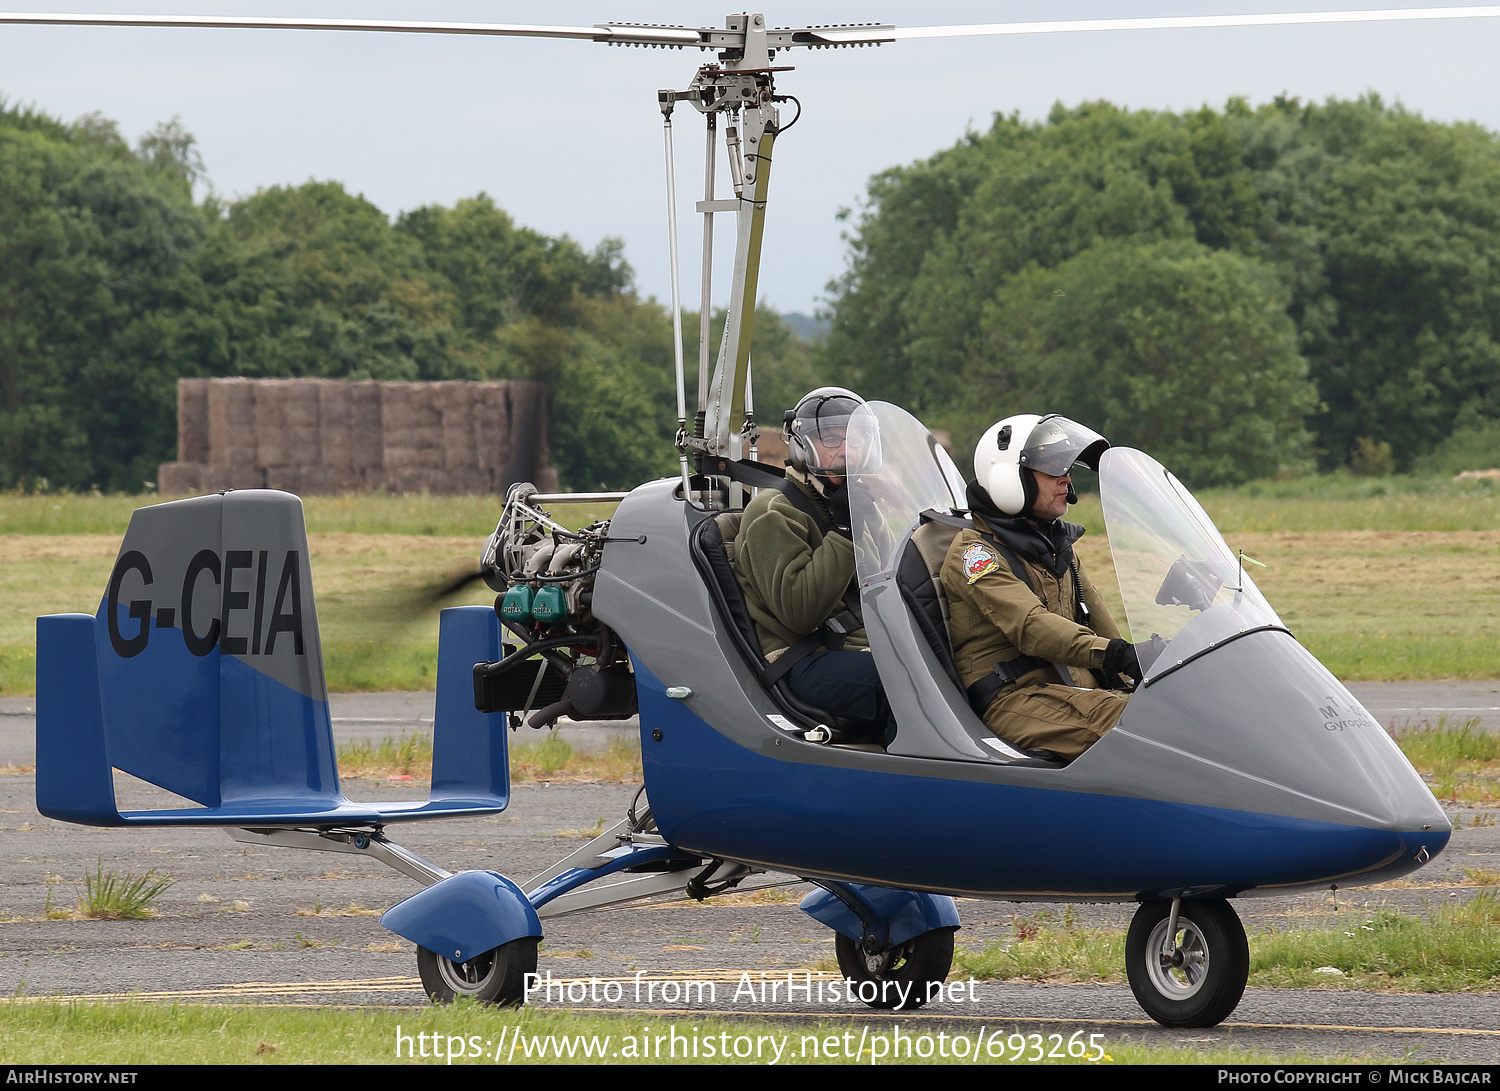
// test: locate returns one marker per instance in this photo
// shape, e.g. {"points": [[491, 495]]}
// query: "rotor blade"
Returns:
{"points": [[1198, 22], [634, 35]]}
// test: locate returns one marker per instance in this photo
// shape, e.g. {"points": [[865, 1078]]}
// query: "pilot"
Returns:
{"points": [[1033, 642], [795, 562]]}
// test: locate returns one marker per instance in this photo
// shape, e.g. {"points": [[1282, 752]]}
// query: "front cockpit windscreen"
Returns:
{"points": [[1172, 564], [897, 470]]}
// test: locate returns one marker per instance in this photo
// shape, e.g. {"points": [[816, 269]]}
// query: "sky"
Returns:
{"points": [[566, 135]]}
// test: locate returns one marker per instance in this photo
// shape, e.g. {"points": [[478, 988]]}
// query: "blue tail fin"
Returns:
{"points": [[202, 673]]}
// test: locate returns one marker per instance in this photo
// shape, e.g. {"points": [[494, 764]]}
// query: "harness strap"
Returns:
{"points": [[983, 691], [804, 503], [831, 634], [812, 642]]}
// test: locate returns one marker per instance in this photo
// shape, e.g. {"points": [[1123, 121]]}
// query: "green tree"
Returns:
{"points": [[113, 285], [1381, 226], [1408, 212], [1184, 351], [93, 244]]}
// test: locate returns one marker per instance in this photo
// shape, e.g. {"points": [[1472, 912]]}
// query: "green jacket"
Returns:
{"points": [[793, 576], [995, 617]]}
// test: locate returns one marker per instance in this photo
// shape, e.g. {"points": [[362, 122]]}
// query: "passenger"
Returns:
{"points": [[795, 562], [1025, 618]]}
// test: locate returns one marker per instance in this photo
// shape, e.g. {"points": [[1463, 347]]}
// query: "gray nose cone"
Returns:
{"points": [[1258, 724]]}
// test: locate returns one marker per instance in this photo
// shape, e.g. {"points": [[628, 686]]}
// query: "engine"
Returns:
{"points": [[567, 663]]}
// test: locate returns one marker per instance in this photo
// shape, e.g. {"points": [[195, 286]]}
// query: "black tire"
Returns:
{"points": [[910, 967], [494, 977], [1200, 982]]}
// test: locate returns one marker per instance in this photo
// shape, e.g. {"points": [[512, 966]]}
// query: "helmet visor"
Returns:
{"points": [[1056, 443]]}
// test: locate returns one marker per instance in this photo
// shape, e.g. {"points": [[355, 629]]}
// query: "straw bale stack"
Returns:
{"points": [[318, 436]]}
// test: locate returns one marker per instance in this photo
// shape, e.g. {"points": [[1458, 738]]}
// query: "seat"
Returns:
{"points": [[711, 543], [919, 575]]}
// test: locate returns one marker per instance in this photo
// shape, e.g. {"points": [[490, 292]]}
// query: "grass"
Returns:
{"points": [[554, 759], [1462, 761], [107, 896], [1046, 947], [1338, 501], [74, 1033], [550, 758], [1443, 744], [1379, 587], [406, 755], [375, 513], [1451, 949], [1372, 605], [376, 616]]}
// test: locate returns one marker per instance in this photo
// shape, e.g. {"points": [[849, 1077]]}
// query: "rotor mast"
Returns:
{"points": [[741, 90]]}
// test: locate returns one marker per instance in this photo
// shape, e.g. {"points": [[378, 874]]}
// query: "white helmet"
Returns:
{"points": [[815, 430], [1049, 444]]}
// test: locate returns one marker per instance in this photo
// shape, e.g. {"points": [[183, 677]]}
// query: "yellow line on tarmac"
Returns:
{"points": [[248, 988], [375, 984]]}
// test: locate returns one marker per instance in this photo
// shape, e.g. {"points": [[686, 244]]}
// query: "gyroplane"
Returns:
{"points": [[1240, 766]]}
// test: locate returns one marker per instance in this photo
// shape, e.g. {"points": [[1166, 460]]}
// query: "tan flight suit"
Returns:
{"points": [[995, 617]]}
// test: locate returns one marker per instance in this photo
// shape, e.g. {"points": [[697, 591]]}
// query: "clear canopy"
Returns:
{"points": [[1178, 578], [897, 470], [1171, 562]]}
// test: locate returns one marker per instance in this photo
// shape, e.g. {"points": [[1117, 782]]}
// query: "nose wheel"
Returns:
{"points": [[900, 976], [1189, 971], [492, 977]]}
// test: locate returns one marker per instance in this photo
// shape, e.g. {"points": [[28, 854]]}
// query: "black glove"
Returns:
{"points": [[1120, 658], [838, 506]]}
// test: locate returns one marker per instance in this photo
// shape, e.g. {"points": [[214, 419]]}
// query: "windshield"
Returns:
{"points": [[897, 470], [1171, 561]]}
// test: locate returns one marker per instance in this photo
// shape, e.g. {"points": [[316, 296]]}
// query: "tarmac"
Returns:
{"points": [[251, 924]]}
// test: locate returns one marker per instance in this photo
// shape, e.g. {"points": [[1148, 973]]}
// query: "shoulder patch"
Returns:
{"points": [[979, 560]]}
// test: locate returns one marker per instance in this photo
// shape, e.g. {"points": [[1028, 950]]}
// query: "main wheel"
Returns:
{"points": [[1193, 979], [494, 977], [903, 973]]}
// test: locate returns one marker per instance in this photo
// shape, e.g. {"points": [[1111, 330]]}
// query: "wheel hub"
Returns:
{"points": [[1177, 970], [467, 977]]}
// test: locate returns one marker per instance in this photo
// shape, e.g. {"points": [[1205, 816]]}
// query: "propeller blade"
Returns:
{"points": [[1201, 22], [455, 586]]}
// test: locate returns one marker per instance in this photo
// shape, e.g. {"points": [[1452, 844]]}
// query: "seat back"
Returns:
{"points": [[919, 576], [712, 547]]}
